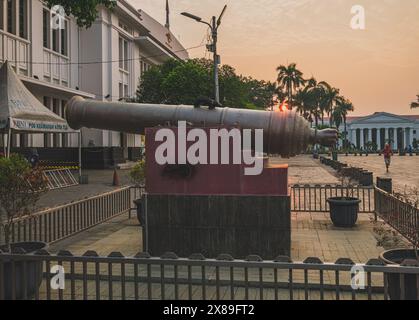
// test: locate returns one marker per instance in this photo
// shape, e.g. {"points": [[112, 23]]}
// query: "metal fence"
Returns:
{"points": [[313, 198], [402, 216], [145, 278], [64, 221]]}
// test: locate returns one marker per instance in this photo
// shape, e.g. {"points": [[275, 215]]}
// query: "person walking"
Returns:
{"points": [[388, 153]]}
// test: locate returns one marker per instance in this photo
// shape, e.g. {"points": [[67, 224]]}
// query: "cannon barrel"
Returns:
{"points": [[285, 133]]}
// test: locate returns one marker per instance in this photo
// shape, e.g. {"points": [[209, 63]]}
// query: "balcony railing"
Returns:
{"points": [[15, 50], [56, 67]]}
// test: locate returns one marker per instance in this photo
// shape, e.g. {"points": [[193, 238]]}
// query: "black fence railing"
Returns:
{"points": [[61, 222], [401, 215], [313, 198], [116, 277]]}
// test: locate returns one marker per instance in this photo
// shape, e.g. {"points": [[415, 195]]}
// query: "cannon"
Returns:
{"points": [[286, 133]]}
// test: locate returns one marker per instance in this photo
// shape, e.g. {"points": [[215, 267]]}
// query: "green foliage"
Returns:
{"points": [[415, 104], [183, 82], [289, 80], [415, 144], [85, 11], [138, 173], [20, 189]]}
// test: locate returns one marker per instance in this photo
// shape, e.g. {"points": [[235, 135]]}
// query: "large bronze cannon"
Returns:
{"points": [[285, 132]]}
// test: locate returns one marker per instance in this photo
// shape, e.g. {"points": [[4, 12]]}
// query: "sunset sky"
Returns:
{"points": [[376, 68]]}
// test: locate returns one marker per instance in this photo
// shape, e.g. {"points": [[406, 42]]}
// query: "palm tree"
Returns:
{"points": [[330, 99], [290, 79], [302, 101], [340, 114], [315, 94], [415, 105]]}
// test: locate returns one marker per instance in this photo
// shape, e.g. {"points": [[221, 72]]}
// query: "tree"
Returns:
{"points": [[260, 93], [415, 105], [183, 82], [340, 114], [20, 189], [315, 99], [330, 97], [290, 79], [85, 11]]}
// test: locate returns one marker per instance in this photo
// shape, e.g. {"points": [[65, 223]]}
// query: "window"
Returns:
{"points": [[11, 16], [1, 15], [144, 67], [125, 90], [64, 39], [55, 39], [46, 27], [123, 54], [121, 91], [23, 14], [125, 27]]}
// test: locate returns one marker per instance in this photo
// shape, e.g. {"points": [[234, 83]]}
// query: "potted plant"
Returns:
{"points": [[344, 210], [20, 188], [403, 256]]}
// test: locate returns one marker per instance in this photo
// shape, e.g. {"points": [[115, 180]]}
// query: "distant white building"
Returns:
{"points": [[382, 127], [105, 62]]}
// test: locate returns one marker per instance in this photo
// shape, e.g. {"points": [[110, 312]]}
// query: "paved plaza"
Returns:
{"points": [[404, 170], [312, 235]]}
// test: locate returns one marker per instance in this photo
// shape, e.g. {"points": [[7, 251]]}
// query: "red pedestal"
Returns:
{"points": [[210, 179]]}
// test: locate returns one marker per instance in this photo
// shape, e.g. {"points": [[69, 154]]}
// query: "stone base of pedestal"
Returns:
{"points": [[211, 225]]}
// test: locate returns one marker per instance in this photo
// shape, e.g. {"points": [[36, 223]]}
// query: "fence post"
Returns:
{"points": [[385, 184]]}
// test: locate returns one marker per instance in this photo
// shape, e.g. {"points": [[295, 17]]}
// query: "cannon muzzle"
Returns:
{"points": [[285, 133]]}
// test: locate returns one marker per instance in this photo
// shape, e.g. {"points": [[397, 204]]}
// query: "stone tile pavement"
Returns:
{"points": [[404, 170], [312, 235]]}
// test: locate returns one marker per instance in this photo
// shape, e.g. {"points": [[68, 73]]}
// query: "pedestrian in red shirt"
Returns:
{"points": [[387, 156]]}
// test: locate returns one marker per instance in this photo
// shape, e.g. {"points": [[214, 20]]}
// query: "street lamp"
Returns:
{"points": [[214, 25]]}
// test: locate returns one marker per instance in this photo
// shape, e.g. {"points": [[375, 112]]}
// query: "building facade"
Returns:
{"points": [[104, 62], [381, 128]]}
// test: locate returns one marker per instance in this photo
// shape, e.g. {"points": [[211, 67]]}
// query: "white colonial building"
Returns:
{"points": [[104, 62], [380, 128]]}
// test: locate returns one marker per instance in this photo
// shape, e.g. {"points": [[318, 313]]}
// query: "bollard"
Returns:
{"points": [[385, 184]]}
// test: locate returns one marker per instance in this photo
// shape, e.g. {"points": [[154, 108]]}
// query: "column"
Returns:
{"points": [[379, 139], [407, 137], [369, 135], [362, 138], [353, 136], [411, 136], [394, 139]]}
